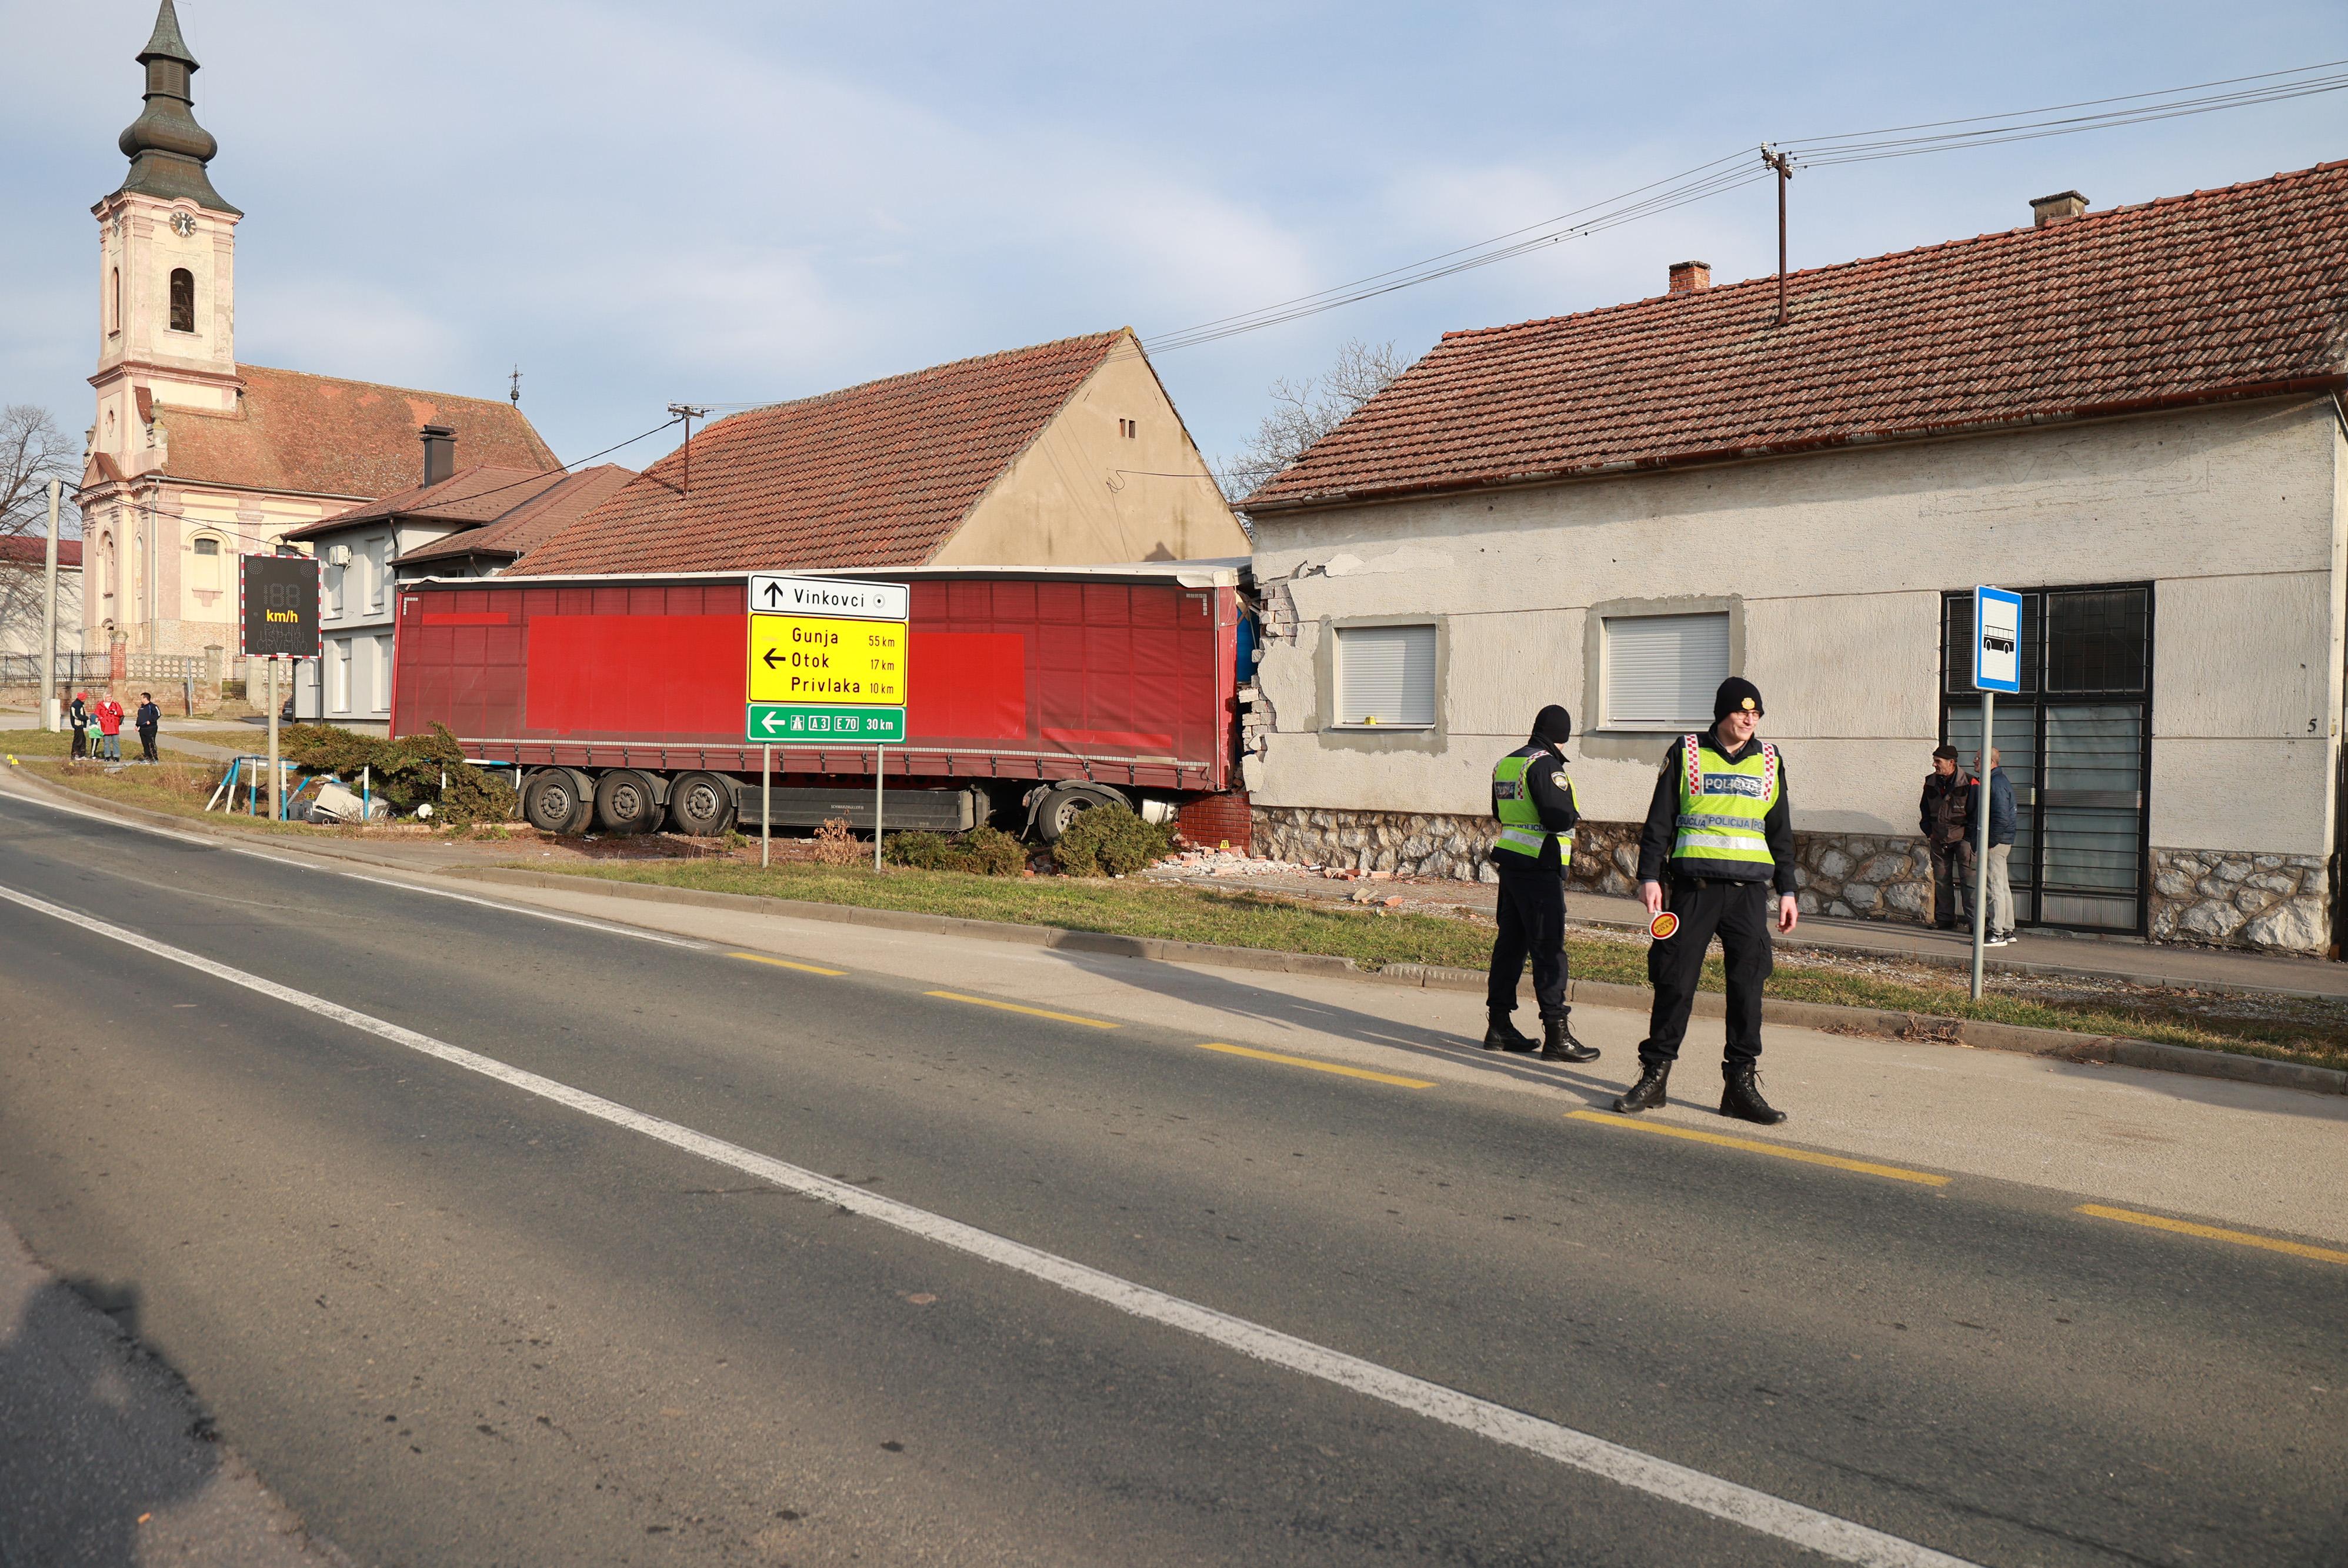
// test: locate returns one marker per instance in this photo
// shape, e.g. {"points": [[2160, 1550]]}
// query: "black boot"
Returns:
{"points": [[1502, 1033], [1647, 1094], [1741, 1097], [1558, 1044]]}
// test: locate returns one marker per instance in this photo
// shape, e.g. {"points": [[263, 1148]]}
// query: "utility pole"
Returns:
{"points": [[1784, 165], [49, 719], [688, 413]]}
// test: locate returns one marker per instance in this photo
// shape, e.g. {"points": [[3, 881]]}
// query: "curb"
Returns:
{"points": [[1968, 1033]]}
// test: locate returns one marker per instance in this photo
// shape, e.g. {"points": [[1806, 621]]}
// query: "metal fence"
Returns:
{"points": [[25, 669]]}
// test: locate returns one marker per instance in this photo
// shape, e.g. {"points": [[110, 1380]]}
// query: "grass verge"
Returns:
{"points": [[2314, 1033]]}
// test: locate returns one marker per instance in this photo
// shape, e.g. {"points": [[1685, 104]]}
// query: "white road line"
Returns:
{"points": [[1789, 1522], [204, 841], [525, 909]]}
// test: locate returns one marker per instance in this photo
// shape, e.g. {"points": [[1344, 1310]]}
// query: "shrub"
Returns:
{"points": [[982, 852], [405, 773], [1110, 840], [835, 844]]}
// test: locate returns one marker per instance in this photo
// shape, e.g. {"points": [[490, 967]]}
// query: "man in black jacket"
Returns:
{"points": [[79, 716], [1720, 829], [1532, 798], [1945, 817], [149, 719]]}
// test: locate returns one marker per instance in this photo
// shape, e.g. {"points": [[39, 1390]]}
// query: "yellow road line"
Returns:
{"points": [[1808, 1157], [1016, 1007], [1321, 1067], [786, 964], [2212, 1232]]}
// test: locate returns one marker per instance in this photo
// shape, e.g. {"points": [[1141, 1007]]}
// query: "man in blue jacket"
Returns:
{"points": [[2000, 848]]}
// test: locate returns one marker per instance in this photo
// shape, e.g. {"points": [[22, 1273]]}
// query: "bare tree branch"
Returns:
{"points": [[1302, 413], [33, 451]]}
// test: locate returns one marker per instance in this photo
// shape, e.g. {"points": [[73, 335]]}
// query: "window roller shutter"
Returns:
{"points": [[1664, 669], [1385, 674]]}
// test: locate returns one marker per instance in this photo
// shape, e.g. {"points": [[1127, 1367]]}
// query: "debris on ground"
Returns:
{"points": [[1224, 863]]}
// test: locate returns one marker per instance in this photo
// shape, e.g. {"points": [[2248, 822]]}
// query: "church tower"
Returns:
{"points": [[167, 269]]}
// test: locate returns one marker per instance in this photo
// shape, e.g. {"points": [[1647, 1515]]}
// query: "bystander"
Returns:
{"points": [[149, 719], [108, 714], [1944, 816], [2001, 849]]}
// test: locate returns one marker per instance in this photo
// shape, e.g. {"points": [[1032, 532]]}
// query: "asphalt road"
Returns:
{"points": [[451, 1320]]}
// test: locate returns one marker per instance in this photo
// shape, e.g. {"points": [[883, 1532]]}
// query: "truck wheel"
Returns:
{"points": [[701, 804], [1060, 808], [625, 802], [553, 802]]}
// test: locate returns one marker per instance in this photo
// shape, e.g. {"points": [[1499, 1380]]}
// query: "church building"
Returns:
{"points": [[193, 458]]}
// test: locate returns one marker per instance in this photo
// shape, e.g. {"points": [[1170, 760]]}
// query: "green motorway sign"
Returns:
{"points": [[801, 724]]}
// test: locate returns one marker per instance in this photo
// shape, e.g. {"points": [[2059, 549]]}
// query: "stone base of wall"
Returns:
{"points": [[1842, 873], [2277, 903], [2274, 903]]}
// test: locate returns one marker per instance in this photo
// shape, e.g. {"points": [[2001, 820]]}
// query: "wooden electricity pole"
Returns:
{"points": [[1784, 165]]}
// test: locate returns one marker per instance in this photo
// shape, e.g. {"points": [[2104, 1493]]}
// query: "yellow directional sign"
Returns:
{"points": [[809, 659]]}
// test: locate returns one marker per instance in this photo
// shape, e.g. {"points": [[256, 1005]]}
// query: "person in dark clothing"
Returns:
{"points": [[1532, 798], [1945, 818], [148, 719], [1719, 837], [79, 716]]}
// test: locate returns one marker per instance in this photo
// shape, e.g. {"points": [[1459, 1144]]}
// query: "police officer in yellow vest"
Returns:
{"points": [[1719, 837], [1533, 800]]}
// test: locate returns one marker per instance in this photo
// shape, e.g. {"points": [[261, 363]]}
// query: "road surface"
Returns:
{"points": [[491, 1238]]}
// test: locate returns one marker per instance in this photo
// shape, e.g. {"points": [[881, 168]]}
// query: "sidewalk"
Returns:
{"points": [[2032, 953]]}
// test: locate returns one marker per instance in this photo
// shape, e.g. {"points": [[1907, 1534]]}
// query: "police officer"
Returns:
{"points": [[1533, 800], [1719, 832]]}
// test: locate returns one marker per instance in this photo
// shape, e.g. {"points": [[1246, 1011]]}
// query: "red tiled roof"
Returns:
{"points": [[2190, 298], [877, 475], [539, 518], [319, 435], [33, 550], [482, 493]]}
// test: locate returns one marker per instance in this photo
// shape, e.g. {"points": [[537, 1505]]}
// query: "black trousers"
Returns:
{"points": [[1953, 885], [81, 740], [1533, 925], [147, 742], [1739, 912]]}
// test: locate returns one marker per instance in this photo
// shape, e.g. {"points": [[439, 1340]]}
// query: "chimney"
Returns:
{"points": [[2059, 208], [439, 453], [1689, 276]]}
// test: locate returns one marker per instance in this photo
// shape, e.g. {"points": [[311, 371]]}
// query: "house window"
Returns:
{"points": [[338, 676], [206, 577], [184, 300], [1385, 675], [1660, 672], [377, 570], [383, 674], [1128, 429]]}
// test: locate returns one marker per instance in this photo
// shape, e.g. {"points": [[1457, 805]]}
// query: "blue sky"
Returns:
{"points": [[727, 203]]}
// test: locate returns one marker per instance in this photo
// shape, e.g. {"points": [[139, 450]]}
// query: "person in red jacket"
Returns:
{"points": [[108, 714]]}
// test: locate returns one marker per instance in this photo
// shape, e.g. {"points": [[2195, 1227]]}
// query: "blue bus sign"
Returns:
{"points": [[1997, 640]]}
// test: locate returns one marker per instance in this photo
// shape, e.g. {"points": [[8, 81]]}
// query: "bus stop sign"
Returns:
{"points": [[1997, 640]]}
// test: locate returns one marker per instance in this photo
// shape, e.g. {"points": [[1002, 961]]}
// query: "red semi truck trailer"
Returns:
{"points": [[1035, 694]]}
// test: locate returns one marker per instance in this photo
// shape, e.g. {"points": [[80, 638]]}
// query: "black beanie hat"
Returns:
{"points": [[1735, 693], [1554, 725]]}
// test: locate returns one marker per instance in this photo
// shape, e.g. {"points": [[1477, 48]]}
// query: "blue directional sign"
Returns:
{"points": [[1997, 640]]}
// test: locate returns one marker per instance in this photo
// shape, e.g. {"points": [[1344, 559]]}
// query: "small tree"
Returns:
{"points": [[1303, 411]]}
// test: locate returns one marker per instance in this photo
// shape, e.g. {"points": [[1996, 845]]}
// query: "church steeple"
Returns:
{"points": [[167, 149]]}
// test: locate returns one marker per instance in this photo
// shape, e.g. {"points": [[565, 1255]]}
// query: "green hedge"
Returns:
{"points": [[984, 851], [406, 773], [1110, 840]]}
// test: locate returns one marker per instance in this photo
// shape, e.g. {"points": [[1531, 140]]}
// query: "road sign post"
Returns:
{"points": [[766, 804], [1997, 666], [828, 662], [277, 604]]}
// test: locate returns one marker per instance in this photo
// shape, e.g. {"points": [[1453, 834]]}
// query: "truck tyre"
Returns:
{"points": [[701, 804], [553, 802], [1064, 803], [626, 802]]}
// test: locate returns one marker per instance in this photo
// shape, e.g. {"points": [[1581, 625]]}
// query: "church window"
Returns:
{"points": [[184, 300], [114, 306], [207, 576]]}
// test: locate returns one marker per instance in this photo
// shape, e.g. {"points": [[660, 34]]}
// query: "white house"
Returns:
{"points": [[2133, 417]]}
